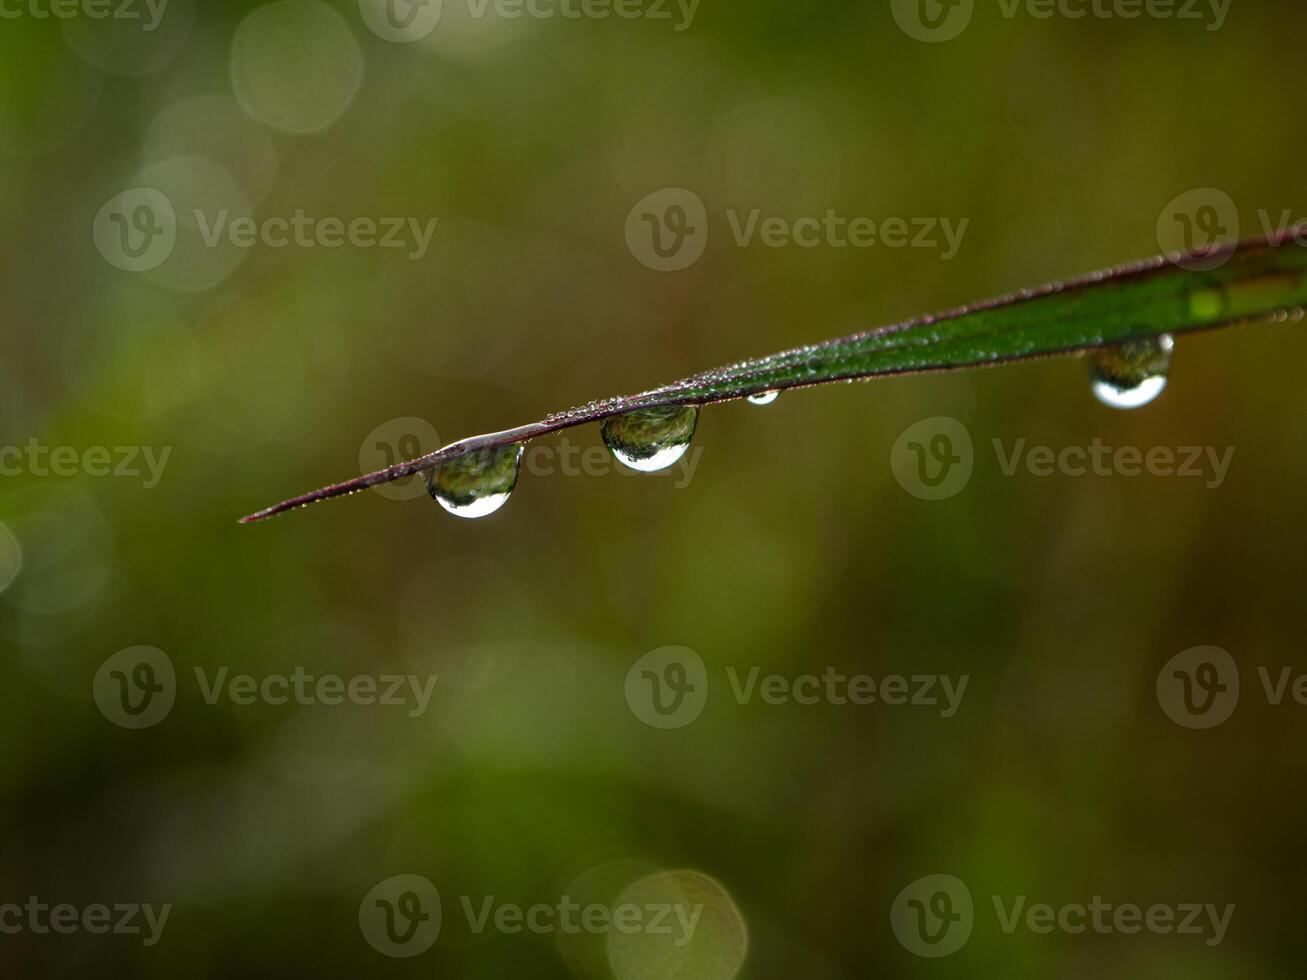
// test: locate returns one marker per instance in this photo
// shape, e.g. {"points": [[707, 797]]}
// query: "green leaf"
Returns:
{"points": [[1220, 287]]}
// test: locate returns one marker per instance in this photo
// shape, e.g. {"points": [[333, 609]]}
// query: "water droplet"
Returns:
{"points": [[476, 484], [1132, 374], [764, 397], [651, 439]]}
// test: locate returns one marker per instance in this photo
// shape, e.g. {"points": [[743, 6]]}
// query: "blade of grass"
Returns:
{"points": [[1224, 286]]}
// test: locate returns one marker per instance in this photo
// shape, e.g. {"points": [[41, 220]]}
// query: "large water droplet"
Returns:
{"points": [[764, 397], [1132, 374], [651, 439], [477, 484]]}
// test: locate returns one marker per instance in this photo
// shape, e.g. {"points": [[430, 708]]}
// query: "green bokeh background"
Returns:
{"points": [[792, 549]]}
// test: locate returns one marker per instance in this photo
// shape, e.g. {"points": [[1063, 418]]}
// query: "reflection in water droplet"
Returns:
{"points": [[764, 397], [1132, 374], [651, 439], [477, 484]]}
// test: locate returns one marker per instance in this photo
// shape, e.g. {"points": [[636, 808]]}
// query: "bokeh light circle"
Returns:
{"points": [[215, 127], [296, 65], [713, 947]]}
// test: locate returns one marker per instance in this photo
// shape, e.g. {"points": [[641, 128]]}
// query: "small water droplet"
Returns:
{"points": [[477, 484], [1132, 374], [764, 397], [651, 439]]}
